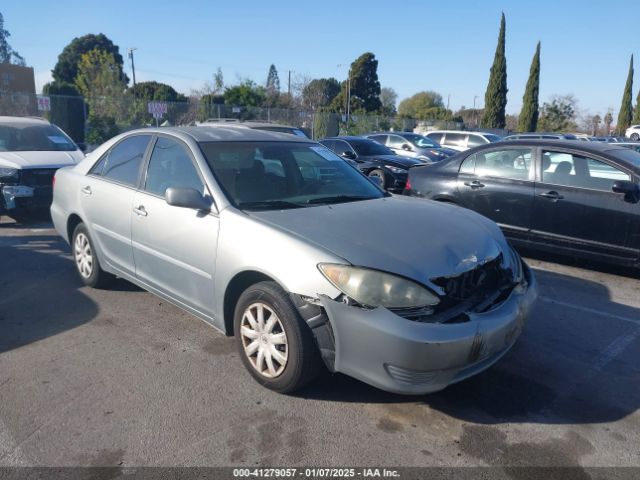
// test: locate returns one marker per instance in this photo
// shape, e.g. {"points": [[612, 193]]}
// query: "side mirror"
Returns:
{"points": [[187, 198], [348, 154], [630, 190], [407, 147]]}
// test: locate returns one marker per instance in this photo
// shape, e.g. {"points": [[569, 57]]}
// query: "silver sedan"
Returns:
{"points": [[276, 240]]}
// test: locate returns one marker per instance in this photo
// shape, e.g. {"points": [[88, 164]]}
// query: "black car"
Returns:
{"points": [[579, 198], [374, 160]]}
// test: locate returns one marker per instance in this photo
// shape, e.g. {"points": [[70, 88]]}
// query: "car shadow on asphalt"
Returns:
{"points": [[40, 292], [572, 365]]}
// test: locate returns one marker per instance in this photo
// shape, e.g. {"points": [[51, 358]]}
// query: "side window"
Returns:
{"points": [[436, 137], [456, 139], [124, 160], [341, 147], [469, 165], [475, 141], [99, 166], [560, 168], [170, 165], [508, 163], [379, 138], [396, 141]]}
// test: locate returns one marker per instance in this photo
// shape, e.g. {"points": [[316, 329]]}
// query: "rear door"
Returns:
{"points": [[498, 183], [575, 208], [174, 248], [107, 197]]}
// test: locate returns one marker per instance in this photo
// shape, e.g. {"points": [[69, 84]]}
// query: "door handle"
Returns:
{"points": [[475, 184], [86, 190], [552, 195], [140, 211]]}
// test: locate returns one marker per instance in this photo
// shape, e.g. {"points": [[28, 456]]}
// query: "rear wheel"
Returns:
{"points": [[635, 137], [275, 344], [86, 260]]}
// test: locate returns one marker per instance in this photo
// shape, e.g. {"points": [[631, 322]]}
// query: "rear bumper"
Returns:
{"points": [[407, 357]]}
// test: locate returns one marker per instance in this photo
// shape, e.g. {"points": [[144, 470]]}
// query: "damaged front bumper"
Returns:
{"points": [[12, 195], [403, 356]]}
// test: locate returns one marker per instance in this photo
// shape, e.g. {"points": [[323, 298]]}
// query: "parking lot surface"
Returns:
{"points": [[122, 378]]}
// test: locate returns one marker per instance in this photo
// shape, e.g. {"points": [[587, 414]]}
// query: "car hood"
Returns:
{"points": [[40, 159], [416, 238], [395, 160]]}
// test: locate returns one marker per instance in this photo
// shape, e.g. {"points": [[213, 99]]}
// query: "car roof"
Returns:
{"points": [[346, 138], [461, 131], [227, 132], [36, 120], [212, 122]]}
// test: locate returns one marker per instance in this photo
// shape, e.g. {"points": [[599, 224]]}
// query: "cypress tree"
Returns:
{"points": [[636, 111], [495, 98], [624, 117], [528, 120]]}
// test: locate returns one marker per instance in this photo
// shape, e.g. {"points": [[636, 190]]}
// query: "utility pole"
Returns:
{"points": [[448, 98], [348, 95], [289, 85], [133, 67], [475, 118]]}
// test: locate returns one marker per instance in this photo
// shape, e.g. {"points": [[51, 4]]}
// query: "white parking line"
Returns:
{"points": [[589, 310]]}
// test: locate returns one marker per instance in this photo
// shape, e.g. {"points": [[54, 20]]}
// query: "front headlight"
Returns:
{"points": [[395, 169], [8, 173], [437, 153], [373, 288]]}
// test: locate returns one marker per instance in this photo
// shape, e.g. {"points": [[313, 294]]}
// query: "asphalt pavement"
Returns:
{"points": [[122, 378]]}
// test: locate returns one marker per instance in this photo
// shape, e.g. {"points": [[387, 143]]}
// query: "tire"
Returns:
{"points": [[86, 260], [380, 174], [635, 137], [297, 361]]}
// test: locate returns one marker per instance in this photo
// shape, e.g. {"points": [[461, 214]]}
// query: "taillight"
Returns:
{"points": [[53, 182], [407, 185]]}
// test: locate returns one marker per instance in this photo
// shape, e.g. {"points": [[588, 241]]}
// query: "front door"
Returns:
{"points": [[174, 248], [498, 184], [576, 208]]}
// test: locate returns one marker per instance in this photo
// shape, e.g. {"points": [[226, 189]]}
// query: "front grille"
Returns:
{"points": [[37, 177], [487, 277]]}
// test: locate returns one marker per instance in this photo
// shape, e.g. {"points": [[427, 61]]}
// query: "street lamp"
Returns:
{"points": [[348, 106]]}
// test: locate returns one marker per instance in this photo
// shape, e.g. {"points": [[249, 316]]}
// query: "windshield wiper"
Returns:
{"points": [[269, 205], [339, 199]]}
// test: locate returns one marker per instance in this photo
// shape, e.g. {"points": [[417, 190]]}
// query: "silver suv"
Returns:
{"points": [[460, 140]]}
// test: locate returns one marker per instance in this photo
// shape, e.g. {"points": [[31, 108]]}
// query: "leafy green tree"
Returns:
{"points": [[320, 92], [626, 109], [66, 69], [156, 91], [99, 81], [558, 115], [8, 54], [272, 89], [636, 111], [246, 94], [528, 120], [608, 120], [365, 86], [495, 98], [101, 129], [427, 105], [388, 99]]}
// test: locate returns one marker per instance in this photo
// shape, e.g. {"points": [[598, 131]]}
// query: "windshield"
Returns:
{"points": [[29, 137], [277, 175], [422, 142], [492, 138], [366, 147], [627, 155]]}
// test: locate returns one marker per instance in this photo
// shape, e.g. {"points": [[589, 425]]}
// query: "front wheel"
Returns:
{"points": [[86, 260], [635, 137], [377, 173], [275, 344]]}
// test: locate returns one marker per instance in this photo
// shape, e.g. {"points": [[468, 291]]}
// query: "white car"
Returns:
{"points": [[460, 140], [31, 150], [633, 132]]}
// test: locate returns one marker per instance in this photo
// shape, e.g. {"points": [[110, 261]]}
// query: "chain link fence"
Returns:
{"points": [[91, 121]]}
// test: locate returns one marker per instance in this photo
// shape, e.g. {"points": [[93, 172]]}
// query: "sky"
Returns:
{"points": [[420, 45]]}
